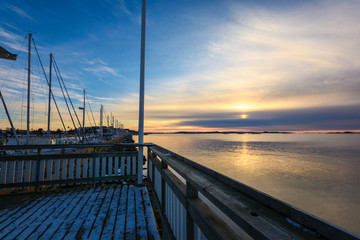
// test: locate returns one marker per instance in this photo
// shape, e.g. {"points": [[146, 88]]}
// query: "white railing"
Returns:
{"points": [[36, 170]]}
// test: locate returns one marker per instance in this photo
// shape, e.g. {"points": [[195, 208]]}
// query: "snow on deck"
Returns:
{"points": [[107, 212]]}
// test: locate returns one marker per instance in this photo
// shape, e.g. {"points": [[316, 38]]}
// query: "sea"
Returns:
{"points": [[318, 173]]}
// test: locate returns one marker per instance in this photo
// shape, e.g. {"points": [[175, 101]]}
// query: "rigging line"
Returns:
{"points": [[52, 94], [91, 110], [92, 130], [56, 66], [67, 105]]}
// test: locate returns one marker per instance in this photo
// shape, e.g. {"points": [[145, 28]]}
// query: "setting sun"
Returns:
{"points": [[244, 116]]}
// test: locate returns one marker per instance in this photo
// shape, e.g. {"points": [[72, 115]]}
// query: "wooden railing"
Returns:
{"points": [[37, 166], [195, 202]]}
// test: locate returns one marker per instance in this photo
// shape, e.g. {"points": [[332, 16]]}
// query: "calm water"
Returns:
{"points": [[319, 173]]}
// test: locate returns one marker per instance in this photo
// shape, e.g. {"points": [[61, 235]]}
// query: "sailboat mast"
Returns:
{"points": [[28, 92], [101, 120], [9, 118], [48, 132]]}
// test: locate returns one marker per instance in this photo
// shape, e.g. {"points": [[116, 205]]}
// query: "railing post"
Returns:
{"points": [[37, 176], [93, 163], [191, 192], [163, 196]]}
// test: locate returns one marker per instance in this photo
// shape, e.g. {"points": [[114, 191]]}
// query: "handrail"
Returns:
{"points": [[53, 146], [210, 201], [36, 169]]}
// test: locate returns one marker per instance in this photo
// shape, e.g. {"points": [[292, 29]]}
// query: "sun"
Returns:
{"points": [[243, 116]]}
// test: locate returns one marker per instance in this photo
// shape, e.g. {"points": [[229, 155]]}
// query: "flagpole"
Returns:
{"points": [[142, 90]]}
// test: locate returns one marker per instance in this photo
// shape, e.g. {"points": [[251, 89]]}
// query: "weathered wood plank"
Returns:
{"points": [[13, 222], [116, 166], [119, 228], [60, 226], [122, 172], [63, 169], [110, 166], [53, 218], [101, 217], [49, 170], [27, 171], [23, 230], [20, 171], [42, 170], [141, 226], [97, 167], [76, 230], [133, 165], [71, 169], [109, 226], [56, 169], [86, 227], [78, 168], [128, 165], [91, 167], [3, 172], [150, 218], [11, 172], [85, 168], [103, 166], [130, 231]]}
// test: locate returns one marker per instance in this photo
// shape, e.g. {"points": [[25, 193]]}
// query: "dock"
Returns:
{"points": [[90, 195]]}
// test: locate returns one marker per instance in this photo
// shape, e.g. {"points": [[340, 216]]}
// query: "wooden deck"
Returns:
{"points": [[107, 212]]}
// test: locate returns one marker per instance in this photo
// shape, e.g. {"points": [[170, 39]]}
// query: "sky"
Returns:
{"points": [[214, 65]]}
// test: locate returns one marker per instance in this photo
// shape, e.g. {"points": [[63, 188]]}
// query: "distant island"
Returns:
{"points": [[248, 132]]}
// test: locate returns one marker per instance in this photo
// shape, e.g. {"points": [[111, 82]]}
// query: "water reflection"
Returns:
{"points": [[315, 172]]}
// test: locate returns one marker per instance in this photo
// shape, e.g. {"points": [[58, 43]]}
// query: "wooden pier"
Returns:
{"points": [[92, 199]]}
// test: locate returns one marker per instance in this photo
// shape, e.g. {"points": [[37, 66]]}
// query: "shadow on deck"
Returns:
{"points": [[102, 212]]}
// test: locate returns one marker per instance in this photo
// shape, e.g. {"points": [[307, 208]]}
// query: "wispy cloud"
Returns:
{"points": [[18, 11], [99, 67]]}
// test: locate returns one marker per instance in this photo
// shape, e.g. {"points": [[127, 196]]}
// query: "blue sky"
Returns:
{"points": [[210, 65]]}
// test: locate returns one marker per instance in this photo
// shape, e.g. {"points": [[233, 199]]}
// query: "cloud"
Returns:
{"points": [[11, 40], [328, 118], [99, 67], [18, 11]]}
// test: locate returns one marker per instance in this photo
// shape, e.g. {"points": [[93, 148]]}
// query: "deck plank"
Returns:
{"points": [[16, 222], [108, 227], [75, 231], [119, 228], [103, 212], [17, 215], [141, 225], [85, 229], [56, 225], [33, 223], [130, 232], [102, 215], [40, 230]]}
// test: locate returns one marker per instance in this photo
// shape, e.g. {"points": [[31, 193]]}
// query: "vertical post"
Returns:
{"points": [[163, 186], [48, 132], [142, 90], [28, 91], [84, 119], [191, 192], [37, 170]]}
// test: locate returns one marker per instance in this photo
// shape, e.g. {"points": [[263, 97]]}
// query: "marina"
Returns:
{"points": [[253, 179]]}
